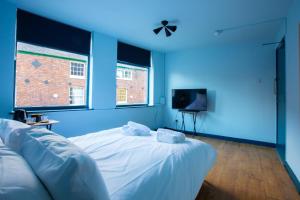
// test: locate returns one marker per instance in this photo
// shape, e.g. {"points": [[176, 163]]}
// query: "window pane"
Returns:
{"points": [[127, 74], [77, 69], [76, 96], [132, 86], [119, 73], [44, 77]]}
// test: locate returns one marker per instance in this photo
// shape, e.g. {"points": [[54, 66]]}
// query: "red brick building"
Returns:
{"points": [[132, 85], [47, 77]]}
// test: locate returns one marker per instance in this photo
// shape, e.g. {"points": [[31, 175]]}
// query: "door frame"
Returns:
{"points": [[281, 44]]}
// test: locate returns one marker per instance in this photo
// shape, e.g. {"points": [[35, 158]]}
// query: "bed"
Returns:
{"points": [[139, 167]]}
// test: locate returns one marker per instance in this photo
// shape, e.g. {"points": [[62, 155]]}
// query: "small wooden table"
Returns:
{"points": [[47, 123]]}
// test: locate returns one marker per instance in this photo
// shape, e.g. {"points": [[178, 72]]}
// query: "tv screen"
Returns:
{"points": [[189, 99]]}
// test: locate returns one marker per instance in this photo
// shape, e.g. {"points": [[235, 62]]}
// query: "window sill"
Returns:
{"points": [[134, 106], [55, 110], [85, 109]]}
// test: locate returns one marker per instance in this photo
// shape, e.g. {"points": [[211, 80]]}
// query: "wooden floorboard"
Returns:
{"points": [[246, 172]]}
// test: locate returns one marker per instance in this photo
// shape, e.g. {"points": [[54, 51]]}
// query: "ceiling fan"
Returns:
{"points": [[168, 28]]}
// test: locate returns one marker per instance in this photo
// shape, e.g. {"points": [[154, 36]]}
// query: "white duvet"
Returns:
{"points": [[140, 168]]}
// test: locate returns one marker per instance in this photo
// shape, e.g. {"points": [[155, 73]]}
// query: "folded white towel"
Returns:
{"points": [[142, 129], [135, 129], [169, 136]]}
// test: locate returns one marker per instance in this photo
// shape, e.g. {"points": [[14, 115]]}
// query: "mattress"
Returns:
{"points": [[139, 167]]}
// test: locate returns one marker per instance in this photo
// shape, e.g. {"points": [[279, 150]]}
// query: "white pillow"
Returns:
{"points": [[66, 171], [7, 126], [144, 130], [130, 131], [17, 180]]}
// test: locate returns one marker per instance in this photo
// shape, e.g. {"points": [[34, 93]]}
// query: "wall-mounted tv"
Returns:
{"points": [[189, 99]]}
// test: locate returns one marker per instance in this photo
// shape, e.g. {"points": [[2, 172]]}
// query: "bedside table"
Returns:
{"points": [[47, 123]]}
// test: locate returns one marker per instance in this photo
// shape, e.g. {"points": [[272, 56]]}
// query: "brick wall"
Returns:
{"points": [[136, 88], [43, 81]]}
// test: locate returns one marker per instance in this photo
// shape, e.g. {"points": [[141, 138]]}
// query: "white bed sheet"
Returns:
{"points": [[140, 168]]}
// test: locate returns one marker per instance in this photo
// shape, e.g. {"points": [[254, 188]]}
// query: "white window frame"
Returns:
{"points": [[123, 102], [76, 76], [123, 71], [83, 95]]}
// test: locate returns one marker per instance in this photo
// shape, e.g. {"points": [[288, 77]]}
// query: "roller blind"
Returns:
{"points": [[44, 32], [133, 55]]}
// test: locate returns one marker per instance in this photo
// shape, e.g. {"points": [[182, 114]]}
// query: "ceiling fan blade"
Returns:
{"points": [[157, 30], [172, 28], [168, 33]]}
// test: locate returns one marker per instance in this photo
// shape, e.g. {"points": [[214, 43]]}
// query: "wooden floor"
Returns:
{"points": [[245, 171]]}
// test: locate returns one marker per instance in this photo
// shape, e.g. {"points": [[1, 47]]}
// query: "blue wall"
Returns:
{"points": [[293, 90], [104, 114], [239, 80], [7, 53]]}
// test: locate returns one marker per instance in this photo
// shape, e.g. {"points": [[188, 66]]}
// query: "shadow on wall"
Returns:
{"points": [[211, 100], [211, 108]]}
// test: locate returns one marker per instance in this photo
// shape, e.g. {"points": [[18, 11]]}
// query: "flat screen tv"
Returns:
{"points": [[189, 99]]}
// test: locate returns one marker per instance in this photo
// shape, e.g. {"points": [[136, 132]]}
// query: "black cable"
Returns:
{"points": [[176, 120]]}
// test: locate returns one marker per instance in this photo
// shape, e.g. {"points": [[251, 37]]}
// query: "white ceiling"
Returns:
{"points": [[132, 21]]}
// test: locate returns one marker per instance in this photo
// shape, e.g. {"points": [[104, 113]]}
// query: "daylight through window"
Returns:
{"points": [[132, 85], [49, 78]]}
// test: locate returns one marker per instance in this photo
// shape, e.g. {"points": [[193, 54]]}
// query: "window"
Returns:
{"points": [[43, 77], [132, 85], [127, 74], [132, 75], [123, 73], [76, 96], [122, 95], [51, 70], [77, 69]]}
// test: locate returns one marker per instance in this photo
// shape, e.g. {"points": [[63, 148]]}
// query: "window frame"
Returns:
{"points": [[76, 87], [148, 84], [54, 108], [77, 76], [123, 74]]}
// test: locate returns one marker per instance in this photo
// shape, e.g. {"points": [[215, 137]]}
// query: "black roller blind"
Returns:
{"points": [[133, 55], [41, 31]]}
